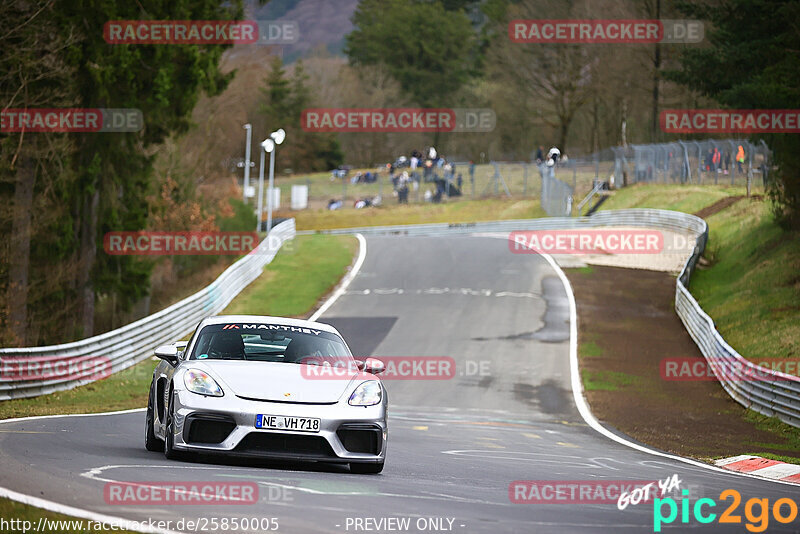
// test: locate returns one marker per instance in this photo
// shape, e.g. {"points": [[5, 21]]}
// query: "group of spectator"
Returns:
{"points": [[716, 161], [364, 177], [409, 172]]}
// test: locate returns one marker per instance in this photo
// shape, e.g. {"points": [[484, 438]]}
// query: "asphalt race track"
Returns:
{"points": [[455, 445]]}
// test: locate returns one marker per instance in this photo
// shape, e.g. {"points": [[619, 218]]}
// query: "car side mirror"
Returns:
{"points": [[168, 353], [181, 347], [374, 366]]}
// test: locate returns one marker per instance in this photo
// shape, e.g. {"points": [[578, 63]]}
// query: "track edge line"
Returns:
{"points": [[583, 405], [362, 254]]}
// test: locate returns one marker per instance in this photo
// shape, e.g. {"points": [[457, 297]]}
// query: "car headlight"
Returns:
{"points": [[367, 394], [199, 382]]}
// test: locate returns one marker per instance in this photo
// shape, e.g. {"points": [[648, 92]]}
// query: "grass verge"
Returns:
{"points": [[752, 288], [459, 211], [27, 519], [298, 277], [607, 380], [685, 198]]}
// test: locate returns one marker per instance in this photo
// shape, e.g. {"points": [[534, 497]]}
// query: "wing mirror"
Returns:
{"points": [[181, 347], [374, 366], [168, 353]]}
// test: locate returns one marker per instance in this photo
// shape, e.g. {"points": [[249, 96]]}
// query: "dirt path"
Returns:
{"points": [[627, 325], [718, 206]]}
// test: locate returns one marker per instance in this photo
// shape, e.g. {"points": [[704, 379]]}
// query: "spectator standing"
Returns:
{"points": [[716, 158], [740, 159], [553, 155], [402, 189]]}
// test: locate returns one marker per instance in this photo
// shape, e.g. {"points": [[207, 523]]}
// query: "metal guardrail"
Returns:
{"points": [[595, 190], [658, 219], [31, 371], [766, 391]]}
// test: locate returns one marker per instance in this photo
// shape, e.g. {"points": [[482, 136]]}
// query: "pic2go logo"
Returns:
{"points": [[756, 511]]}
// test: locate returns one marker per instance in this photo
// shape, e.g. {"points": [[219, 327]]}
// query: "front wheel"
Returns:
{"points": [[169, 436], [151, 442], [366, 469]]}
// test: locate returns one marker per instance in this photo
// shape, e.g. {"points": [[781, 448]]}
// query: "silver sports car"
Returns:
{"points": [[268, 387]]}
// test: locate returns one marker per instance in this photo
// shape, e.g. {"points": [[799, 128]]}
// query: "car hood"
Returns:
{"points": [[271, 381]]}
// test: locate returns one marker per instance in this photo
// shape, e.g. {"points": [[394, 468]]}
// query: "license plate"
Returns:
{"points": [[283, 422]]}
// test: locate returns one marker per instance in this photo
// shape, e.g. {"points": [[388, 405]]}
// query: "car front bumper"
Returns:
{"points": [[226, 425]]}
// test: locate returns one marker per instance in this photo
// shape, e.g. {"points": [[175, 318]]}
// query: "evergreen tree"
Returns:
{"points": [[752, 63]]}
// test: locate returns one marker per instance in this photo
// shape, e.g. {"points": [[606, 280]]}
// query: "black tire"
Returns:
{"points": [[169, 451], [151, 442], [366, 469]]}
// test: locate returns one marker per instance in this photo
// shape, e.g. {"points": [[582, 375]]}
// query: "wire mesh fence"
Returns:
{"points": [[711, 161], [556, 195], [349, 188], [735, 162]]}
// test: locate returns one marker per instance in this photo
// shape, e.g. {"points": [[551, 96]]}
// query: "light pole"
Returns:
{"points": [[276, 138], [249, 128], [261, 186]]}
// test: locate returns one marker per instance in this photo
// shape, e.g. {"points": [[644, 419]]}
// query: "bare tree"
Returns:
{"points": [[556, 76]]}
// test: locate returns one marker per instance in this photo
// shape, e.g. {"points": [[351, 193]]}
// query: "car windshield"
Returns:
{"points": [[269, 343]]}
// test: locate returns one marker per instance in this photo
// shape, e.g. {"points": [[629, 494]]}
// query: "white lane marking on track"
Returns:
{"points": [[506, 454], [390, 291], [429, 497], [445, 291], [518, 295], [362, 253], [436, 290], [35, 417], [93, 474]]}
